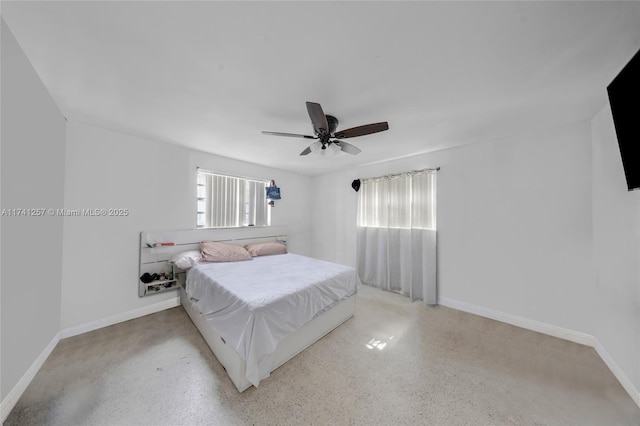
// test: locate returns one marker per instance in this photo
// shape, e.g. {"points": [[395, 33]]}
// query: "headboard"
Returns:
{"points": [[164, 244]]}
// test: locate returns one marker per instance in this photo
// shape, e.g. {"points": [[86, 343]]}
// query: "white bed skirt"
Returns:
{"points": [[292, 345]]}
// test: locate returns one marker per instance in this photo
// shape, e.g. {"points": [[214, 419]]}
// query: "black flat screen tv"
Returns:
{"points": [[624, 98]]}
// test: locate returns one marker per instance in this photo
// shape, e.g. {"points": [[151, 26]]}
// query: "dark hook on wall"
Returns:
{"points": [[356, 185]]}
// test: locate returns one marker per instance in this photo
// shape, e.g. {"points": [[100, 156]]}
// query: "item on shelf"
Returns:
{"points": [[146, 278]]}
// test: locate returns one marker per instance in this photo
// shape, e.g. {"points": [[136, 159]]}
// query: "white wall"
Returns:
{"points": [[514, 223], [156, 182], [33, 144], [616, 231]]}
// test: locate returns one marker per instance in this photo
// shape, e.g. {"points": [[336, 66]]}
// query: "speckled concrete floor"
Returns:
{"points": [[394, 363]]}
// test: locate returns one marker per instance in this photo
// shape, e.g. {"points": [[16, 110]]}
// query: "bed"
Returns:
{"points": [[255, 315]]}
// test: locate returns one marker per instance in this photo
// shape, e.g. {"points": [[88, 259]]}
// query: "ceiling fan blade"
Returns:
{"points": [[367, 129], [318, 118], [348, 148], [306, 151], [291, 135]]}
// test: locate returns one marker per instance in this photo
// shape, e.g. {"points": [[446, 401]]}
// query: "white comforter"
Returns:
{"points": [[255, 304]]}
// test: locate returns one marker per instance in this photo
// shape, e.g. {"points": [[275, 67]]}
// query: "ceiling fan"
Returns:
{"points": [[324, 127]]}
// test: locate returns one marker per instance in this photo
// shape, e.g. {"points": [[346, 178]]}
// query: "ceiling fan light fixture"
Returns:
{"points": [[316, 147], [333, 149]]}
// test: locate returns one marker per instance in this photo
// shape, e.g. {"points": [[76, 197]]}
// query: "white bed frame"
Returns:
{"points": [[292, 345]]}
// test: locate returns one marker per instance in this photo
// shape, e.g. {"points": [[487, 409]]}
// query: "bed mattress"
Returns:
{"points": [[253, 305]]}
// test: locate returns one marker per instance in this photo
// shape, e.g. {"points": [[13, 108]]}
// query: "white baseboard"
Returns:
{"points": [[633, 392], [118, 318], [14, 395], [529, 324], [551, 330], [12, 398]]}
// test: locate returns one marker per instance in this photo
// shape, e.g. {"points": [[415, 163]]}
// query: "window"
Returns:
{"points": [[399, 201], [229, 201]]}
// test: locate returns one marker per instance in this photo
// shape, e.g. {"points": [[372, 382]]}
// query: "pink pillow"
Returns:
{"points": [[265, 249], [220, 252]]}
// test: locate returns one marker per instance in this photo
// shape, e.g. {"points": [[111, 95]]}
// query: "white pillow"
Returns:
{"points": [[186, 259]]}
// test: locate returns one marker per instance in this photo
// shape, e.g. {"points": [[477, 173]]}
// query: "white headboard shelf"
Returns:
{"points": [[165, 244]]}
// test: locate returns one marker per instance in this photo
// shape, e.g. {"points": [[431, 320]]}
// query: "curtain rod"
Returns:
{"points": [[404, 173], [200, 169]]}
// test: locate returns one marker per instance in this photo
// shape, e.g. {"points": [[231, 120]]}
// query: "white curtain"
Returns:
{"points": [[396, 236]]}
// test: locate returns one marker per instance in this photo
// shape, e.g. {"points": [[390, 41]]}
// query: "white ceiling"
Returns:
{"points": [[212, 75]]}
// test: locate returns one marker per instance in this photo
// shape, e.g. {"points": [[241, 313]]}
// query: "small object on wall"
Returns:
{"points": [[356, 185], [273, 193]]}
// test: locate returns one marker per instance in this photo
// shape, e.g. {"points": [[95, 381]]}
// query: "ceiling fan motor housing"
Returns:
{"points": [[333, 124]]}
